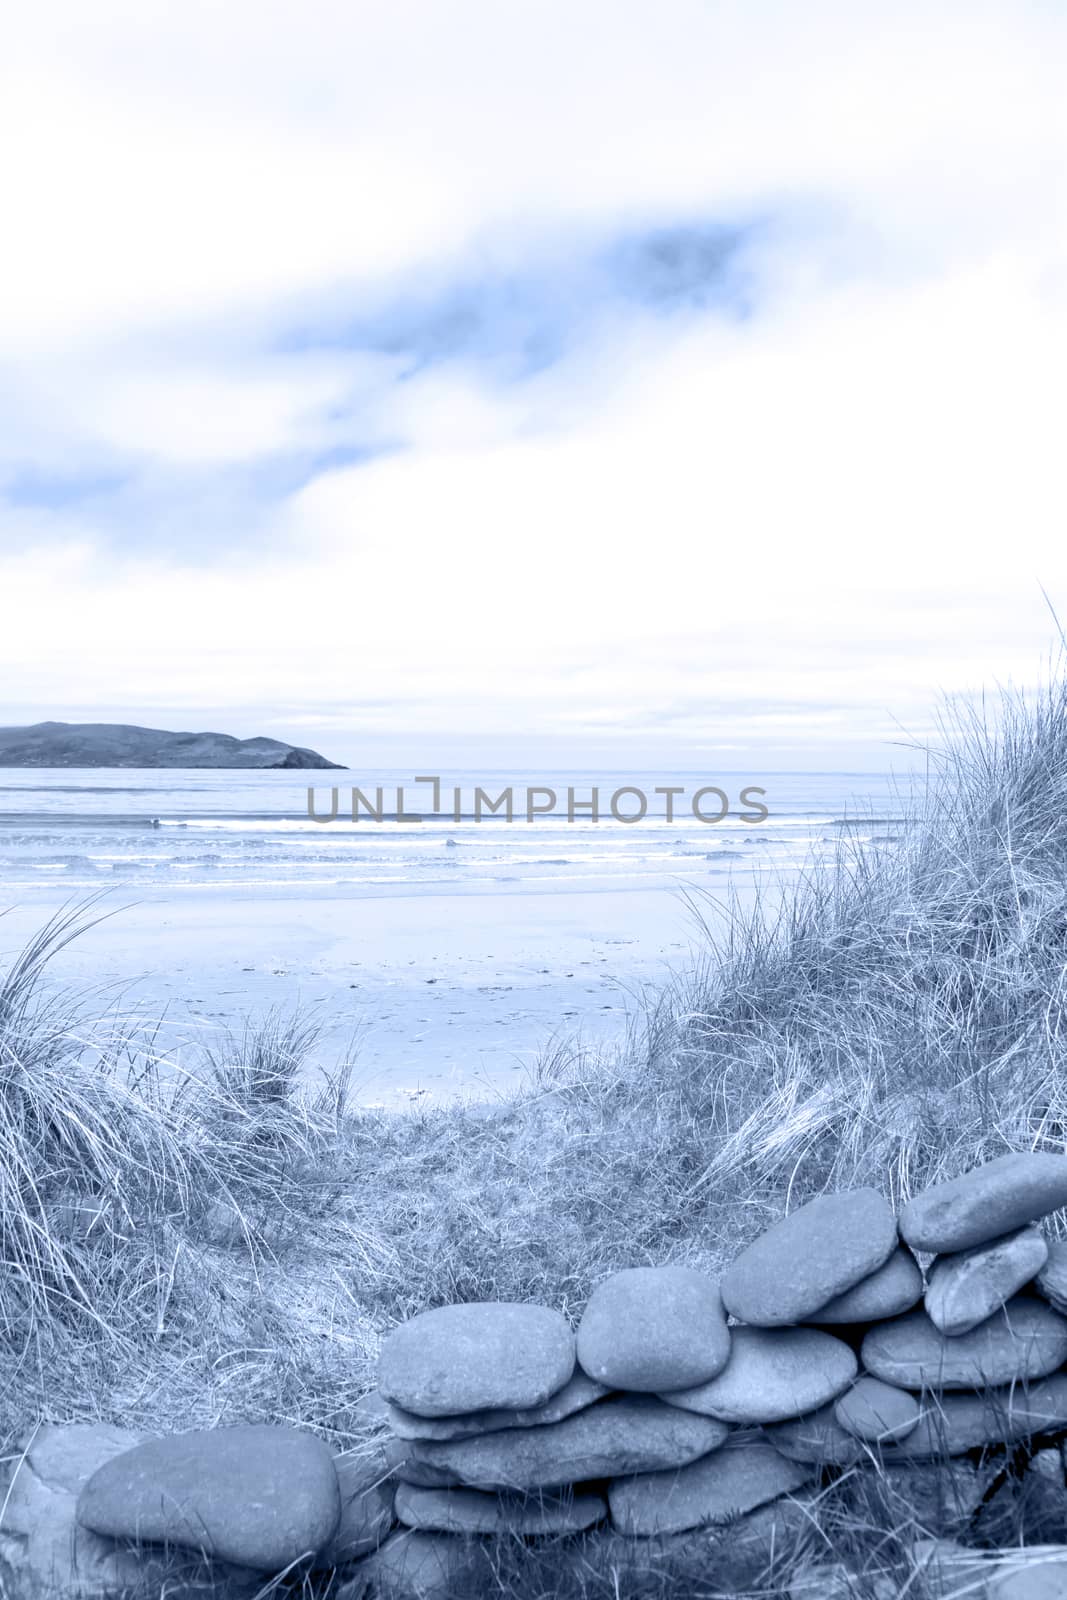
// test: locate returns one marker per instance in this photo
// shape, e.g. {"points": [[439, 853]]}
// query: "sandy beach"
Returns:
{"points": [[440, 995]]}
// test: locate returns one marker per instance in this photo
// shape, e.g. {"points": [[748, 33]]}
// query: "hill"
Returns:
{"points": [[117, 744]]}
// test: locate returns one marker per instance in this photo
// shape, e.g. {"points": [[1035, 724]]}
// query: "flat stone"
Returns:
{"points": [[1051, 1281], [887, 1292], [654, 1328], [1026, 1339], [1037, 1573], [367, 1491], [634, 1433], [580, 1392], [475, 1357], [818, 1439], [811, 1256], [257, 1495], [475, 1511], [421, 1566], [953, 1423], [964, 1289], [877, 1411], [986, 1203], [772, 1373], [715, 1489], [403, 1468]]}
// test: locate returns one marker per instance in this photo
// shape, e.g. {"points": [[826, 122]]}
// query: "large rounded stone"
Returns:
{"points": [[1051, 1281], [653, 1328], [1037, 1573], [986, 1202], [964, 1289], [772, 1373], [475, 1511], [808, 1258], [877, 1411], [952, 1424], [412, 1565], [635, 1433], [257, 1495], [580, 1392], [817, 1438], [716, 1489], [476, 1356], [1026, 1339], [888, 1292]]}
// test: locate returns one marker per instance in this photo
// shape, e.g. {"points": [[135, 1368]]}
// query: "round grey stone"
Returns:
{"points": [[653, 1328], [715, 1489], [256, 1495], [634, 1433], [580, 1392], [1051, 1281], [888, 1292], [986, 1203], [964, 1289], [810, 1257], [412, 1565], [951, 1424], [476, 1356], [1026, 1339], [818, 1439], [877, 1411], [475, 1511], [772, 1373]]}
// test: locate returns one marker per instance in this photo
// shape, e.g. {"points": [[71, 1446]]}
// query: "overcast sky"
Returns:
{"points": [[530, 383]]}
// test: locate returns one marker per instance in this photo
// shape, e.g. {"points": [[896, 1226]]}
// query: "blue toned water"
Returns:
{"points": [[86, 829]]}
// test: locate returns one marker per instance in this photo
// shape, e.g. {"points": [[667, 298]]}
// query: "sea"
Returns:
{"points": [[443, 949]]}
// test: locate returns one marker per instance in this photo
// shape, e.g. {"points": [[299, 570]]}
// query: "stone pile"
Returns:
{"points": [[679, 1403], [682, 1402]]}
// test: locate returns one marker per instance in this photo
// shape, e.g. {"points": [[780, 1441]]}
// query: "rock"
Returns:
{"points": [[1037, 1573], [1051, 1281], [827, 1581], [223, 1226], [936, 1495], [772, 1373], [951, 1424], [476, 1356], [654, 1328], [371, 1410], [887, 1292], [367, 1493], [986, 1203], [1026, 1339], [964, 1289], [878, 1412], [44, 1549], [475, 1511], [810, 1257], [403, 1468], [818, 1439], [257, 1495], [580, 1392], [634, 1433], [714, 1489], [422, 1566], [950, 1569]]}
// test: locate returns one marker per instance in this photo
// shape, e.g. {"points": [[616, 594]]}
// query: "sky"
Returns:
{"points": [[529, 383]]}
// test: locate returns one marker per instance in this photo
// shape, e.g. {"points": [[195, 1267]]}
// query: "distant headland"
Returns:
{"points": [[116, 744]]}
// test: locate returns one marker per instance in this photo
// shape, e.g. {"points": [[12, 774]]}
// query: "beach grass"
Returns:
{"points": [[188, 1244]]}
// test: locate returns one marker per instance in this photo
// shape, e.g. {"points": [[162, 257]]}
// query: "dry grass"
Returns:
{"points": [[896, 1018]]}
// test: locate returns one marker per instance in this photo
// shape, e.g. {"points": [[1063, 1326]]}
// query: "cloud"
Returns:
{"points": [[530, 369]]}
